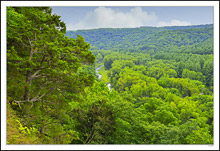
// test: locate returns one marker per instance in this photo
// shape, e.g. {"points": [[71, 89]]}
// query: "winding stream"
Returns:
{"points": [[97, 72], [100, 76]]}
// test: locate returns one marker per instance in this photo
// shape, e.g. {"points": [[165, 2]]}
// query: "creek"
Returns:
{"points": [[100, 76]]}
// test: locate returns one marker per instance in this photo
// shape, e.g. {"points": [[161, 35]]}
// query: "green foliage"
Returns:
{"points": [[103, 72], [17, 133], [186, 39], [95, 120], [192, 75], [200, 136], [42, 72], [161, 79]]}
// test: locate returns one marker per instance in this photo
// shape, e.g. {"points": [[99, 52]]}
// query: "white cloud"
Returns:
{"points": [[103, 17], [173, 22]]}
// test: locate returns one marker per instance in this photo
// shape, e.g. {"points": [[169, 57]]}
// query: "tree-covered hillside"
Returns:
{"points": [[156, 39], [156, 85]]}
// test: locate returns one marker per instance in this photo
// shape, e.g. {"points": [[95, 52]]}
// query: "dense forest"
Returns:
{"points": [[156, 84]]}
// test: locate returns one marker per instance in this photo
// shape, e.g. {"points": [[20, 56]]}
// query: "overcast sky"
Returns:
{"points": [[122, 17]]}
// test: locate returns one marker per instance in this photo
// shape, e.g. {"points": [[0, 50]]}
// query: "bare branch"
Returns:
{"points": [[18, 102], [40, 75], [29, 41], [34, 75], [24, 44], [32, 104], [41, 96], [36, 50], [33, 99]]}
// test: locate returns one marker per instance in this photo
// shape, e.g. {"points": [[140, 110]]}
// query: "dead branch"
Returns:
{"points": [[34, 75]]}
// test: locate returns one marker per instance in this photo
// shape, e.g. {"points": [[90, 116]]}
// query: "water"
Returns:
{"points": [[97, 72], [100, 76], [109, 86], [97, 69]]}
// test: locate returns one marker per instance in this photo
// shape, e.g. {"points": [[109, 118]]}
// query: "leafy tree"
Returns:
{"points": [[42, 54], [192, 75], [95, 119], [45, 62]]}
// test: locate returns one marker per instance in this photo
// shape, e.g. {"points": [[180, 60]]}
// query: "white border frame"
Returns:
{"points": [[4, 4]]}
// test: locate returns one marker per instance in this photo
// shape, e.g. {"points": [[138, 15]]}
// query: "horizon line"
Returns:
{"points": [[138, 27]]}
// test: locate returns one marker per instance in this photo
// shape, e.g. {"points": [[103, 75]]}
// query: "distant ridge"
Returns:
{"points": [[149, 38], [165, 27]]}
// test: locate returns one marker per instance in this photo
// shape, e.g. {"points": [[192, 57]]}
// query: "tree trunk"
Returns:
{"points": [[28, 77], [28, 81]]}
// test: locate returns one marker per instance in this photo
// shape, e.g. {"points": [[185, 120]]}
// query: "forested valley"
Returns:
{"points": [[154, 85]]}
